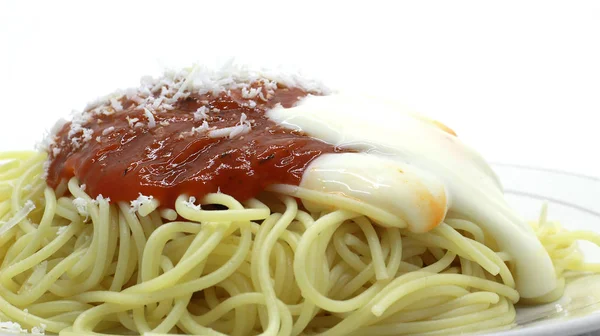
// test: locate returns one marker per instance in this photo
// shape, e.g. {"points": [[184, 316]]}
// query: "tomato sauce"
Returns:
{"points": [[169, 160]]}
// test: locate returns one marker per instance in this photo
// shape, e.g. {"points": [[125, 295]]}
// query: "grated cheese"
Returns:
{"points": [[157, 102], [87, 134], [116, 105], [141, 200], [20, 215], [15, 328], [250, 93], [190, 203], [200, 113], [135, 98], [46, 169], [41, 330], [60, 123], [221, 132], [49, 138], [101, 198], [261, 96], [201, 129], [12, 327], [108, 130], [131, 121], [240, 128], [157, 94], [81, 205], [150, 116]]}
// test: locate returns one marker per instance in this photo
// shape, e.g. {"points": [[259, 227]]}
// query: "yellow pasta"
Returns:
{"points": [[246, 270]]}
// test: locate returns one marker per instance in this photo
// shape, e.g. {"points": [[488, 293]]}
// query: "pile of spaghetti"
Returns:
{"points": [[74, 263]]}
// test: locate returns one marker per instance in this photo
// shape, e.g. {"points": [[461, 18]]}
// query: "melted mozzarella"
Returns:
{"points": [[417, 170], [414, 195]]}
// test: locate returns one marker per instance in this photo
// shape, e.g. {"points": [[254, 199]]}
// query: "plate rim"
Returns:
{"points": [[566, 326]]}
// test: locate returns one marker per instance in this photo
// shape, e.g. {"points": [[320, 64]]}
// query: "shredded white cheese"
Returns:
{"points": [[131, 121], [157, 102], [15, 328], [261, 96], [28, 207], [41, 330], [200, 113], [250, 93], [141, 200], [150, 116], [49, 138], [46, 169], [158, 94], [240, 128], [12, 327], [76, 128], [108, 130], [116, 105], [135, 98], [81, 205], [87, 134], [190, 203], [221, 132], [201, 129], [101, 198]]}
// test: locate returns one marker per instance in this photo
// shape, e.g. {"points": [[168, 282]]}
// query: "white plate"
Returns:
{"points": [[575, 201]]}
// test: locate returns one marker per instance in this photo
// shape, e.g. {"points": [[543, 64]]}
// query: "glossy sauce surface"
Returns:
{"points": [[169, 159]]}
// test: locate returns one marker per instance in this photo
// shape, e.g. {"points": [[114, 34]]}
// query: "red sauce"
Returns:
{"points": [[169, 160]]}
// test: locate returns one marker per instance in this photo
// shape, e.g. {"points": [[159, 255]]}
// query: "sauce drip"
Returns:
{"points": [[123, 160]]}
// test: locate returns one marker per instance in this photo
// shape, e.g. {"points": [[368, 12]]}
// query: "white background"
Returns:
{"points": [[520, 81]]}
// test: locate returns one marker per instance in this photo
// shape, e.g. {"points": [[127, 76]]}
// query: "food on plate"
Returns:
{"points": [[244, 202]]}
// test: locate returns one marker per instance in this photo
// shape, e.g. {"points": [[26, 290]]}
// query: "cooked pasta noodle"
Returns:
{"points": [[262, 266]]}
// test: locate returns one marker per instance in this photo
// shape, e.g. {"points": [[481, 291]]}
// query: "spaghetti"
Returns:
{"points": [[291, 260], [259, 266]]}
